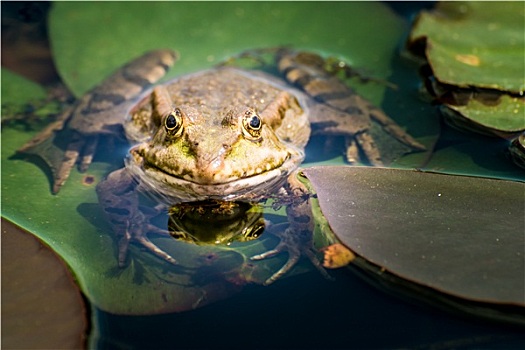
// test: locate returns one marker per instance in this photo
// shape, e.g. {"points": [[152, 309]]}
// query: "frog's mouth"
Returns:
{"points": [[176, 189]]}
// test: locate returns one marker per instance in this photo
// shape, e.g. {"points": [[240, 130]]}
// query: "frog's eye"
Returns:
{"points": [[173, 122], [252, 124], [253, 232]]}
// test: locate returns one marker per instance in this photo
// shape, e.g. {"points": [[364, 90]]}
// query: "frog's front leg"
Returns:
{"points": [[101, 111], [119, 199], [297, 239]]}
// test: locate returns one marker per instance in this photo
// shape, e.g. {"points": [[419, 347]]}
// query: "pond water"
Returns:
{"points": [[301, 311], [307, 312]]}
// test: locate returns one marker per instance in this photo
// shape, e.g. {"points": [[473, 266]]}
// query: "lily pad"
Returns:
{"points": [[451, 234], [475, 44], [16, 88], [207, 33], [475, 51], [19, 95], [507, 116], [73, 225], [33, 278]]}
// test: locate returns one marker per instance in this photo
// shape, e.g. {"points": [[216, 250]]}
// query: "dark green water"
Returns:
{"points": [[307, 312]]}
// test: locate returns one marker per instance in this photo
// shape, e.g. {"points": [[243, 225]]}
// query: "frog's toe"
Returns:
{"points": [[270, 253], [294, 254], [154, 229], [151, 247], [368, 146], [392, 128], [352, 150], [310, 254], [292, 260], [123, 246]]}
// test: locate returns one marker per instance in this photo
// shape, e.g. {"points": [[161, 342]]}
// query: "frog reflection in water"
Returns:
{"points": [[225, 134], [216, 222]]}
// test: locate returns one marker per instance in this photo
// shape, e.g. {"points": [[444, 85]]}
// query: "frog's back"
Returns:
{"points": [[222, 88]]}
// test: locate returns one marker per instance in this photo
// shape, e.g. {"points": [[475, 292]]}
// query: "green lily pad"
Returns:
{"points": [[508, 116], [72, 223], [475, 51], [16, 89], [475, 44], [20, 96], [207, 33], [449, 234]]}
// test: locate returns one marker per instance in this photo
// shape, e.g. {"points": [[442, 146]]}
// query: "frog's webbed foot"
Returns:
{"points": [[337, 109], [138, 232], [296, 246], [100, 112], [297, 239], [79, 148], [119, 200]]}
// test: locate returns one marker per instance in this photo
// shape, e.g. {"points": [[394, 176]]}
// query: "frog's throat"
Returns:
{"points": [[172, 189]]}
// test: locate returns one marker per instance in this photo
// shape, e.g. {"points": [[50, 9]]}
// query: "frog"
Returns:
{"points": [[225, 134]]}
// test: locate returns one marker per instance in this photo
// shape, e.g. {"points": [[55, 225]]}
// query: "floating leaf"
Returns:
{"points": [[16, 89], [475, 51], [475, 44], [206, 33], [507, 116], [33, 278], [73, 225], [452, 234], [21, 97]]}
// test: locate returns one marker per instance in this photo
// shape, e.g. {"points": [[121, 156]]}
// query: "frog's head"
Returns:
{"points": [[220, 154]]}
